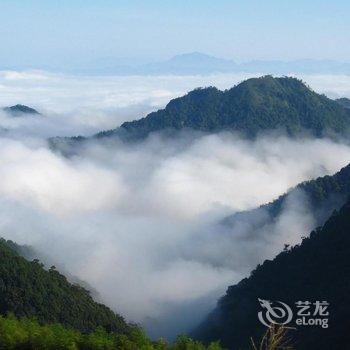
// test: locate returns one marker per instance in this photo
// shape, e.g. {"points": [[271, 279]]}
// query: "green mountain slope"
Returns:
{"points": [[317, 269], [41, 310], [322, 196], [255, 105], [27, 289]]}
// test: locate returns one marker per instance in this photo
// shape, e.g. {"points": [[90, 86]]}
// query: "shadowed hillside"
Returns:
{"points": [[27, 289], [44, 311], [317, 269]]}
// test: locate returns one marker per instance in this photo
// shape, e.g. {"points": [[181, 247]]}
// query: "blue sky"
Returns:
{"points": [[39, 32]]}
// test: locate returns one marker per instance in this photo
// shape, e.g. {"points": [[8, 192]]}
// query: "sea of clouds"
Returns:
{"points": [[138, 222], [85, 105]]}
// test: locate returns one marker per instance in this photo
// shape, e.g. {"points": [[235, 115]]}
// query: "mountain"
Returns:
{"points": [[190, 63], [255, 105], [345, 102], [301, 66], [20, 110], [200, 63], [316, 270], [322, 196], [41, 310], [27, 289]]}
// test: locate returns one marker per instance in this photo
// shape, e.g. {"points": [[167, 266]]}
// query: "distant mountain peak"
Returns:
{"points": [[19, 109], [195, 57]]}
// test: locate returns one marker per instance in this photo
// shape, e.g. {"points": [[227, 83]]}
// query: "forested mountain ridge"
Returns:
{"points": [[316, 270], [253, 106], [322, 195], [345, 102], [41, 310], [27, 289]]}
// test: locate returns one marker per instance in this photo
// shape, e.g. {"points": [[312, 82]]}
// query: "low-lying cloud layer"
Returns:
{"points": [[85, 105], [138, 222]]}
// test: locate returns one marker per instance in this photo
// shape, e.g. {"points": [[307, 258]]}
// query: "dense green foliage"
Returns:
{"points": [[255, 105], [27, 289], [20, 109], [45, 311], [324, 193], [317, 269], [23, 250], [28, 334]]}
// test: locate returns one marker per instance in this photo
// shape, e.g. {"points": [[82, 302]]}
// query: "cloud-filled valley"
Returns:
{"points": [[139, 222]]}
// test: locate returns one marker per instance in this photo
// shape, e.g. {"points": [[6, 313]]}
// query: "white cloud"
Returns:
{"points": [[138, 222], [85, 105]]}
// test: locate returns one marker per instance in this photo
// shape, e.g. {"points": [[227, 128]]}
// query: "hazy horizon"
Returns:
{"points": [[184, 63], [65, 34]]}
